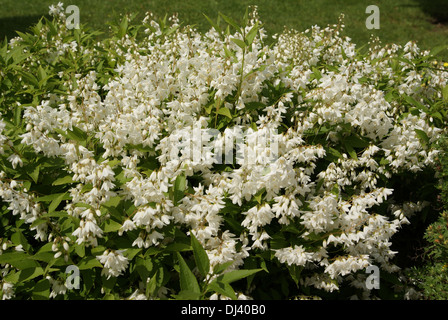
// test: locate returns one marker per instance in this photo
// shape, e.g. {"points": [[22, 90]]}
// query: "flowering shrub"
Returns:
{"points": [[432, 276], [101, 170]]}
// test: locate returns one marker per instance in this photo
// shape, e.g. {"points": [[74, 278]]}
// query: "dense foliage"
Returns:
{"points": [[431, 278], [101, 168]]}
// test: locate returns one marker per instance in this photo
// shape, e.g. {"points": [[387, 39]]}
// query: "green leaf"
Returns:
{"points": [[252, 34], [85, 188], [75, 134], [229, 54], [80, 250], [180, 185], [38, 222], [41, 290], [113, 163], [112, 202], [259, 195], [46, 247], [209, 108], [12, 277], [188, 281], [52, 197], [255, 105], [79, 134], [356, 141], [225, 112], [162, 276], [144, 267], [151, 286], [110, 226], [18, 259], [29, 77], [239, 43], [437, 115], [25, 275], [178, 247], [264, 266], [41, 73], [250, 263], [236, 275], [200, 256], [130, 253], [64, 180], [53, 30], [171, 30], [219, 268], [187, 295], [436, 50], [35, 173], [415, 103], [123, 27], [108, 284], [222, 288], [246, 17], [317, 73], [230, 21], [422, 136], [55, 203], [43, 256], [278, 241], [109, 296], [445, 93], [214, 25], [19, 239], [18, 115], [89, 263], [56, 214], [96, 251], [351, 151], [295, 272], [234, 224]]}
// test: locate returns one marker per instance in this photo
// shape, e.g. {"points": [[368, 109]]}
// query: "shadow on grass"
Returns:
{"points": [[437, 9], [9, 26]]}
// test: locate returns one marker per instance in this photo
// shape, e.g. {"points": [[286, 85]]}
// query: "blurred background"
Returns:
{"points": [[425, 21]]}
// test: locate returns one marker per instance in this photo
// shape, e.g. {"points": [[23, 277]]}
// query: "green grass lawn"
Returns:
{"points": [[425, 21]]}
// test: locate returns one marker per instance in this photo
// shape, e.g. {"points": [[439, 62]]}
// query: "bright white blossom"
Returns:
{"points": [[142, 152], [114, 263], [8, 290]]}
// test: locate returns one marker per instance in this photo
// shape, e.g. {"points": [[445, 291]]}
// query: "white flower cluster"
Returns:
{"points": [[114, 263], [23, 204], [3, 138], [165, 89], [8, 290], [57, 11]]}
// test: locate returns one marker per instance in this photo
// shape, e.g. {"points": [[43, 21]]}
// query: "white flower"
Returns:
{"points": [[114, 263], [8, 290], [56, 10], [293, 255], [345, 265], [15, 159], [88, 232], [128, 225], [157, 142], [57, 287], [137, 295]]}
